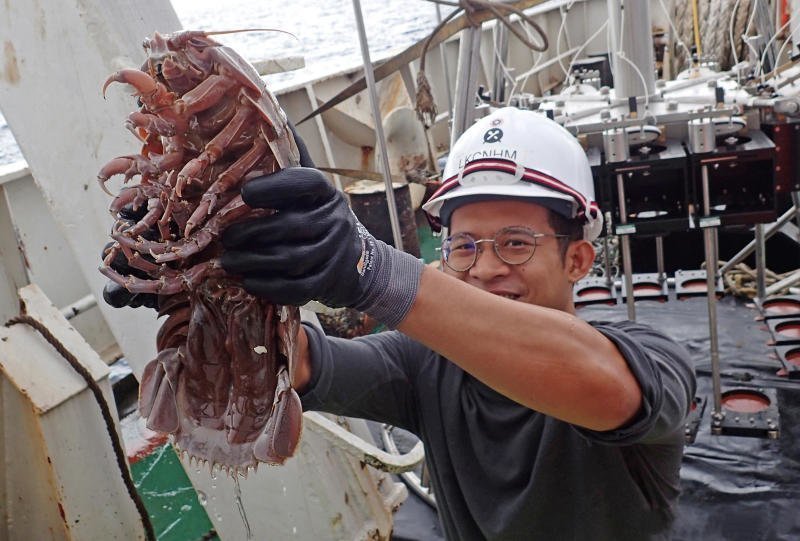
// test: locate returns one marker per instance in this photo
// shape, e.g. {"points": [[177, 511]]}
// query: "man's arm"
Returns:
{"points": [[314, 248], [545, 359]]}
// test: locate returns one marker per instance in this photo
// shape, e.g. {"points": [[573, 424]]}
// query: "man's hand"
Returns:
{"points": [[114, 294], [314, 248], [309, 249]]}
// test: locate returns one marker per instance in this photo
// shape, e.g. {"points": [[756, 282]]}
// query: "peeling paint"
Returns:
{"points": [[366, 157], [10, 67], [23, 252]]}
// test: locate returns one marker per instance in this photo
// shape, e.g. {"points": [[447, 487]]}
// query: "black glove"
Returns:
{"points": [[314, 248], [114, 294]]}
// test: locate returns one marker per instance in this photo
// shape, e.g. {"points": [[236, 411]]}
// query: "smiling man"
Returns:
{"points": [[536, 424]]}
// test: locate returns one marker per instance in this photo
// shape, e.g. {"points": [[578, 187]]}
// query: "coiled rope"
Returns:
{"points": [[719, 19], [741, 280]]}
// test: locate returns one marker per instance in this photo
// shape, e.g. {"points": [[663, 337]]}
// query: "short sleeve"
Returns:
{"points": [[666, 378]]}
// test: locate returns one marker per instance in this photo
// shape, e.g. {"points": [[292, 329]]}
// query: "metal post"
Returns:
{"points": [[770, 230], [796, 207], [376, 113], [711, 286], [789, 281], [794, 24], [631, 21], [445, 66], [607, 258], [626, 250], [323, 135], [660, 259], [466, 82], [761, 263], [500, 42]]}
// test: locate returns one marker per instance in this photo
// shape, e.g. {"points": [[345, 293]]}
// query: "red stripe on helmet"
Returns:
{"points": [[529, 175]]}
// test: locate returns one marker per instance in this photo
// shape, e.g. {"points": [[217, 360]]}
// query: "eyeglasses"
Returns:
{"points": [[513, 245]]}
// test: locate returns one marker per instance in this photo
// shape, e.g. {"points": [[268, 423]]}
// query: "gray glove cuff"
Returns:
{"points": [[393, 286]]}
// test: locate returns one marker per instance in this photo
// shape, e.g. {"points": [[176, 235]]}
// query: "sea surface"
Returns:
{"points": [[324, 32]]}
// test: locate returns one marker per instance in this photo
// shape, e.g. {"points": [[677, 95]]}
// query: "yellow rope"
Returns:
{"points": [[741, 280], [696, 20]]}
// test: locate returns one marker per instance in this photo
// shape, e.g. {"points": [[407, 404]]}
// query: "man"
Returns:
{"points": [[536, 424]]}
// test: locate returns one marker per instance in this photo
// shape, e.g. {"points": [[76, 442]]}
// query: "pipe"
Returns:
{"points": [[626, 250], [445, 65], [78, 307], [500, 41], [770, 230], [761, 263], [786, 282], [709, 242], [376, 113], [629, 26], [466, 82], [660, 259]]}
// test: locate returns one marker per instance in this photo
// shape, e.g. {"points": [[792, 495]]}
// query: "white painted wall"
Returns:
{"points": [[55, 57]]}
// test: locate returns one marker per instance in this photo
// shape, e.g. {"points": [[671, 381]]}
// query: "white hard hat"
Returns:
{"points": [[513, 153]]}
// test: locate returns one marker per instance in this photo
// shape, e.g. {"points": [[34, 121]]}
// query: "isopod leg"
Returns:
{"points": [[157, 399], [285, 424], [226, 182]]}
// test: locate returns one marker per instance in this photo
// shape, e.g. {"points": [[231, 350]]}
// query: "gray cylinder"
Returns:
{"points": [[631, 20]]}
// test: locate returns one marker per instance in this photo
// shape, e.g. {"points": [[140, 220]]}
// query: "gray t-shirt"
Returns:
{"points": [[504, 471]]}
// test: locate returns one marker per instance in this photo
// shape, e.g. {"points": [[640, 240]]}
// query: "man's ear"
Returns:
{"points": [[579, 259]]}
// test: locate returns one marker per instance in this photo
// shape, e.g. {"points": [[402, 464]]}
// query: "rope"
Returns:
{"points": [[747, 16], [681, 14], [722, 25], [107, 417], [710, 23], [425, 106], [696, 28], [741, 280], [675, 39]]}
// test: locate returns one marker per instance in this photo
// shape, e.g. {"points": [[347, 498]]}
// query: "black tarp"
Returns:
{"points": [[733, 487]]}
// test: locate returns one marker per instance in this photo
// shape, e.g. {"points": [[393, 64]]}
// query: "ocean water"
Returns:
{"points": [[325, 35]]}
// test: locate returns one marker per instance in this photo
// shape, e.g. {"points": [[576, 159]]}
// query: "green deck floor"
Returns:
{"points": [[169, 497]]}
